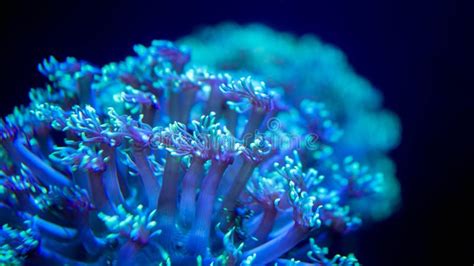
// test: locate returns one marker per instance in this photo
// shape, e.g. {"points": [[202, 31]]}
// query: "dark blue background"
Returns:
{"points": [[416, 52]]}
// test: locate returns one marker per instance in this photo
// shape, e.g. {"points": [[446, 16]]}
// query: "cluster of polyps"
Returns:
{"points": [[152, 161]]}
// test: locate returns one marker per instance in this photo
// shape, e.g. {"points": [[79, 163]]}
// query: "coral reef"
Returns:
{"points": [[159, 160]]}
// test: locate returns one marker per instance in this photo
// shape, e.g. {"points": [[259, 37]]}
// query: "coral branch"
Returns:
{"points": [[276, 247], [45, 173], [187, 205], [149, 179], [167, 201], [200, 232]]}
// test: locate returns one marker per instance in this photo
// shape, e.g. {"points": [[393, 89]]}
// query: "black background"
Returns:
{"points": [[416, 52]]}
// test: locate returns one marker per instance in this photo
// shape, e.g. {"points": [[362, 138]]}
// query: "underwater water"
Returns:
{"points": [[237, 145]]}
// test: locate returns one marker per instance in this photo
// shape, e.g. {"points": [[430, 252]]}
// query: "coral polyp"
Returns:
{"points": [[155, 160]]}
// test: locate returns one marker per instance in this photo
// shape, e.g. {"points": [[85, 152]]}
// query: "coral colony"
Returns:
{"points": [[262, 158]]}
